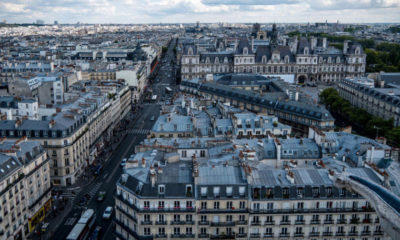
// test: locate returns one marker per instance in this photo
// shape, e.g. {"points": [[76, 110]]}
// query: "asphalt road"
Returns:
{"points": [[112, 170], [107, 179]]}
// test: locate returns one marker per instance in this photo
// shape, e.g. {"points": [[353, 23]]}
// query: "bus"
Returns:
{"points": [[83, 227], [154, 98], [168, 90]]}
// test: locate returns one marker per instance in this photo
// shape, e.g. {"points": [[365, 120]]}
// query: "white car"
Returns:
{"points": [[108, 212], [123, 162]]}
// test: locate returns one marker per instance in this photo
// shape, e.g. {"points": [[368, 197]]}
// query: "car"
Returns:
{"points": [[152, 118], [108, 212], [98, 170], [123, 162], [101, 196]]}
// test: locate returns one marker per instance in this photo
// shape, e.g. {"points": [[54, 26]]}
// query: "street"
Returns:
{"points": [[137, 130]]}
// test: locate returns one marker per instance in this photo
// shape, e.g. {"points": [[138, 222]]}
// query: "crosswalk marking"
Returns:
{"points": [[93, 190], [139, 131], [70, 221]]}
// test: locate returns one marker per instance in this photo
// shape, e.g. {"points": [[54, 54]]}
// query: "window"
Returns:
{"points": [[177, 230], [184, 153], [189, 204], [216, 191], [216, 205], [202, 153], [242, 205], [177, 204], [146, 218], [161, 231], [203, 191], [160, 204], [146, 204], [229, 191], [242, 190], [189, 218], [146, 231], [203, 218], [161, 189], [177, 218], [229, 205], [161, 218], [229, 218], [203, 205], [188, 231], [203, 231]]}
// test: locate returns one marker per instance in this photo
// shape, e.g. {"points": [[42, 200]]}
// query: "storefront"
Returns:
{"points": [[39, 216]]}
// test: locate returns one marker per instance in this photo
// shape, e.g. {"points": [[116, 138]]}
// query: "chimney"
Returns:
{"points": [[313, 43], [18, 123], [324, 42], [51, 123], [143, 162], [153, 176], [345, 46]]}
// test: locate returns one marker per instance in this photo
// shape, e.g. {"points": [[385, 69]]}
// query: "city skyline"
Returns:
{"points": [[190, 11]]}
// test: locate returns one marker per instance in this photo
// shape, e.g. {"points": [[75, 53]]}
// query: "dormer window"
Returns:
{"points": [[207, 60], [245, 51], [216, 191], [264, 59], [306, 51], [161, 189], [190, 51], [338, 60], [286, 59], [229, 191], [242, 190], [357, 50], [203, 191], [216, 60], [225, 59]]}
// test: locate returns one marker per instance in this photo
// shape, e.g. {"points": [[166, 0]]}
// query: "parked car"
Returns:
{"points": [[107, 212]]}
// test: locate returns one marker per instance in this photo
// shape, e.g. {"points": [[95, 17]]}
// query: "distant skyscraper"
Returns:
{"points": [[55, 22], [39, 22]]}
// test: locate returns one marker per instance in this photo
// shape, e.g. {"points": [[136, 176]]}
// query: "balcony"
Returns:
{"points": [[222, 236], [222, 224], [255, 235], [314, 234], [365, 233], [315, 221], [146, 222], [330, 221], [341, 221], [203, 222], [255, 223], [178, 223], [367, 220], [325, 234], [353, 233], [203, 235], [244, 222], [284, 234], [300, 234], [241, 235], [161, 235], [378, 233], [285, 223], [178, 235], [268, 235], [269, 223], [298, 222], [354, 221], [161, 222], [340, 234]]}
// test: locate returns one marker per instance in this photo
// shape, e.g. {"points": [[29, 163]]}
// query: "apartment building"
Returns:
{"points": [[25, 188], [170, 199], [71, 136], [300, 115], [381, 102], [13, 108]]}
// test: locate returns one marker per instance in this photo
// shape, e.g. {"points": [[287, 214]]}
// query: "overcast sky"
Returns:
{"points": [[189, 11]]}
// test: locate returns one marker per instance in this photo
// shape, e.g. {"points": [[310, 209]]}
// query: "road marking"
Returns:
{"points": [[105, 176], [70, 221]]}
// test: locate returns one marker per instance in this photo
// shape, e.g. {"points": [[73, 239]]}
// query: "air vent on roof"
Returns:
{"points": [[8, 166], [2, 170], [13, 163]]}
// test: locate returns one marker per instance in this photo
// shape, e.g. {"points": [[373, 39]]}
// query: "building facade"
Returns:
{"points": [[308, 60], [380, 102], [25, 187]]}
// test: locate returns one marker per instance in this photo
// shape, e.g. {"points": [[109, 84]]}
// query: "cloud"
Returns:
{"points": [[154, 11]]}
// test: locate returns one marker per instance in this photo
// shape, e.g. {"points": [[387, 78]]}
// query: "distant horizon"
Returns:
{"points": [[187, 23], [189, 11]]}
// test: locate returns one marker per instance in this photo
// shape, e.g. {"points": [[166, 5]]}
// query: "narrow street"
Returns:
{"points": [[137, 130]]}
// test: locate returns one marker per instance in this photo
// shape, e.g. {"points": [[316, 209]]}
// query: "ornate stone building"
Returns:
{"points": [[309, 60]]}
